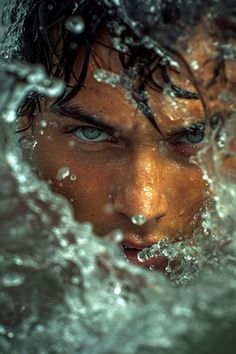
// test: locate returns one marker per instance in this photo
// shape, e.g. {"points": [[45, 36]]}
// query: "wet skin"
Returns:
{"points": [[123, 165]]}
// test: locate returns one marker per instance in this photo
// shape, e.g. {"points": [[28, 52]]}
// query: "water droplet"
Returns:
{"points": [[75, 24], [63, 173], [12, 279], [71, 143], [75, 279], [116, 236], [138, 219], [168, 268], [108, 209], [195, 65], [10, 335], [43, 123], [39, 328], [73, 177], [118, 45], [152, 267], [106, 76], [117, 290]]}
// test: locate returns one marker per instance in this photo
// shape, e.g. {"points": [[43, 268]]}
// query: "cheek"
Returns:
{"points": [[87, 185], [185, 193]]}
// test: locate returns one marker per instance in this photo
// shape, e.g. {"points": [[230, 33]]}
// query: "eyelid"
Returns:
{"points": [[71, 129], [183, 134]]}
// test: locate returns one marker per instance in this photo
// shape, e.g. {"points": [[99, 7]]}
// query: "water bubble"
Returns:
{"points": [[152, 267], [75, 279], [10, 335], [195, 65], [116, 236], [53, 124], [106, 76], [117, 290], [75, 24], [63, 173], [118, 45], [143, 255], [71, 143], [168, 268], [73, 177], [12, 280], [39, 328], [138, 219], [35, 142], [43, 123]]}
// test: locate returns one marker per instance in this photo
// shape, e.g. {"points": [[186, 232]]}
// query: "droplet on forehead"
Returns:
{"points": [[195, 65], [138, 219], [43, 123], [75, 24]]}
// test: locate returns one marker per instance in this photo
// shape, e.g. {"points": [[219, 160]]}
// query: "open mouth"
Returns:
{"points": [[131, 255]]}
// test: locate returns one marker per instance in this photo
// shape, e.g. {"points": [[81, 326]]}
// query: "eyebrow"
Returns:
{"points": [[195, 126], [79, 113]]}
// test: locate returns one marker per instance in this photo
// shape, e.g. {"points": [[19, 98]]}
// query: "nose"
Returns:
{"points": [[141, 188]]}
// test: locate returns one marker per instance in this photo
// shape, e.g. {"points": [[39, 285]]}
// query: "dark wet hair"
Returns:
{"points": [[57, 51], [45, 40]]}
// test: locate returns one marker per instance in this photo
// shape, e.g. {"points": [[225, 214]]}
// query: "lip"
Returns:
{"points": [[130, 254]]}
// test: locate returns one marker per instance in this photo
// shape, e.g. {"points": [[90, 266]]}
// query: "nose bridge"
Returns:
{"points": [[141, 191], [142, 183]]}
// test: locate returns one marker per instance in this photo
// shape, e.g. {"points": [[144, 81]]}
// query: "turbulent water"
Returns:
{"points": [[80, 296]]}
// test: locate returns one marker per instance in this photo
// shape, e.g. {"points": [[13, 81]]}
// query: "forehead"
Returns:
{"points": [[103, 93]]}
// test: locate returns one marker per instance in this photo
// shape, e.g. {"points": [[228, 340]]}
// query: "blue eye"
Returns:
{"points": [[92, 134], [193, 137]]}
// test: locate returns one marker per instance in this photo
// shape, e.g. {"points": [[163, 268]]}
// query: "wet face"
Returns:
{"points": [[112, 164]]}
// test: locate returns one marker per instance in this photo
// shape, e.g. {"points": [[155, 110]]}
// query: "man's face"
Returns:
{"points": [[117, 165]]}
